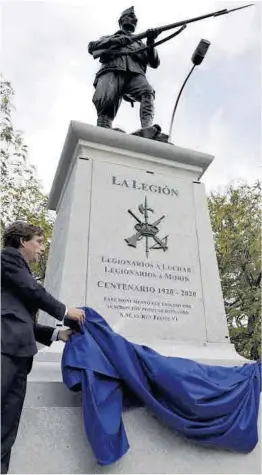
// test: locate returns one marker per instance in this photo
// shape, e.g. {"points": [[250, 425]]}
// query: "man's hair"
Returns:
{"points": [[20, 229]]}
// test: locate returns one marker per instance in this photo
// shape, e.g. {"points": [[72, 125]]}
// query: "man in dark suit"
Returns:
{"points": [[21, 297]]}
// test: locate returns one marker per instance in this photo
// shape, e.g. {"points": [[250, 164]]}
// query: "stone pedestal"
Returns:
{"points": [[51, 438], [162, 290], [133, 240]]}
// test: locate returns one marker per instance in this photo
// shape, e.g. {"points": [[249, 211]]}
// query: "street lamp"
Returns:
{"points": [[196, 59]]}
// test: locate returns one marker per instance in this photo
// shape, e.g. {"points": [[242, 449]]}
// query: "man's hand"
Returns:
{"points": [[76, 314], [151, 35], [64, 335]]}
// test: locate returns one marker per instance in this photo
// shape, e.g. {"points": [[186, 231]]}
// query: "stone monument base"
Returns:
{"points": [[52, 438], [170, 301]]}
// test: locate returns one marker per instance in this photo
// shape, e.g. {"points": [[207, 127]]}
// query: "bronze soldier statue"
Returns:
{"points": [[124, 59], [124, 76]]}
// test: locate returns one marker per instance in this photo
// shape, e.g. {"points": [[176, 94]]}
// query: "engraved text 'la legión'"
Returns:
{"points": [[136, 185]]}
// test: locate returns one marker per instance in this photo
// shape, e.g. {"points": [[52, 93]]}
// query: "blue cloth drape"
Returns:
{"points": [[211, 405]]}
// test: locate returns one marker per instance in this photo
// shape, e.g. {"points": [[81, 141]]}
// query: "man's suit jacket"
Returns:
{"points": [[21, 297]]}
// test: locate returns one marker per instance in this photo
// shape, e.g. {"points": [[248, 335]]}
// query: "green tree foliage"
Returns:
{"points": [[236, 222], [22, 196]]}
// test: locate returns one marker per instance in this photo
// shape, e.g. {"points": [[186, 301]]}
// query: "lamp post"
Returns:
{"points": [[196, 59]]}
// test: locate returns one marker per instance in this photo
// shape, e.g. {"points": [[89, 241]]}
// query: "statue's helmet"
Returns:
{"points": [[128, 17]]}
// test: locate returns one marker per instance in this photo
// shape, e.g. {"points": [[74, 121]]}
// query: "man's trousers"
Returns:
{"points": [[14, 371]]}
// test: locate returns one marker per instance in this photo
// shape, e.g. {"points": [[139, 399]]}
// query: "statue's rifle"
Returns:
{"points": [[98, 53]]}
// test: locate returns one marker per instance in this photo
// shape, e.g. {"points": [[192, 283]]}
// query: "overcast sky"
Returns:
{"points": [[45, 57]]}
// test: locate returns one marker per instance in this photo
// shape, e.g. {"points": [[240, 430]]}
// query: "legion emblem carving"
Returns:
{"points": [[147, 231]]}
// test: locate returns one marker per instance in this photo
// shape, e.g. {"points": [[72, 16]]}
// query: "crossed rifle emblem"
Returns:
{"points": [[146, 230]]}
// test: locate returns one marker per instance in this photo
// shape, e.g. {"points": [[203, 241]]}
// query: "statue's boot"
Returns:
{"points": [[104, 121], [150, 132]]}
